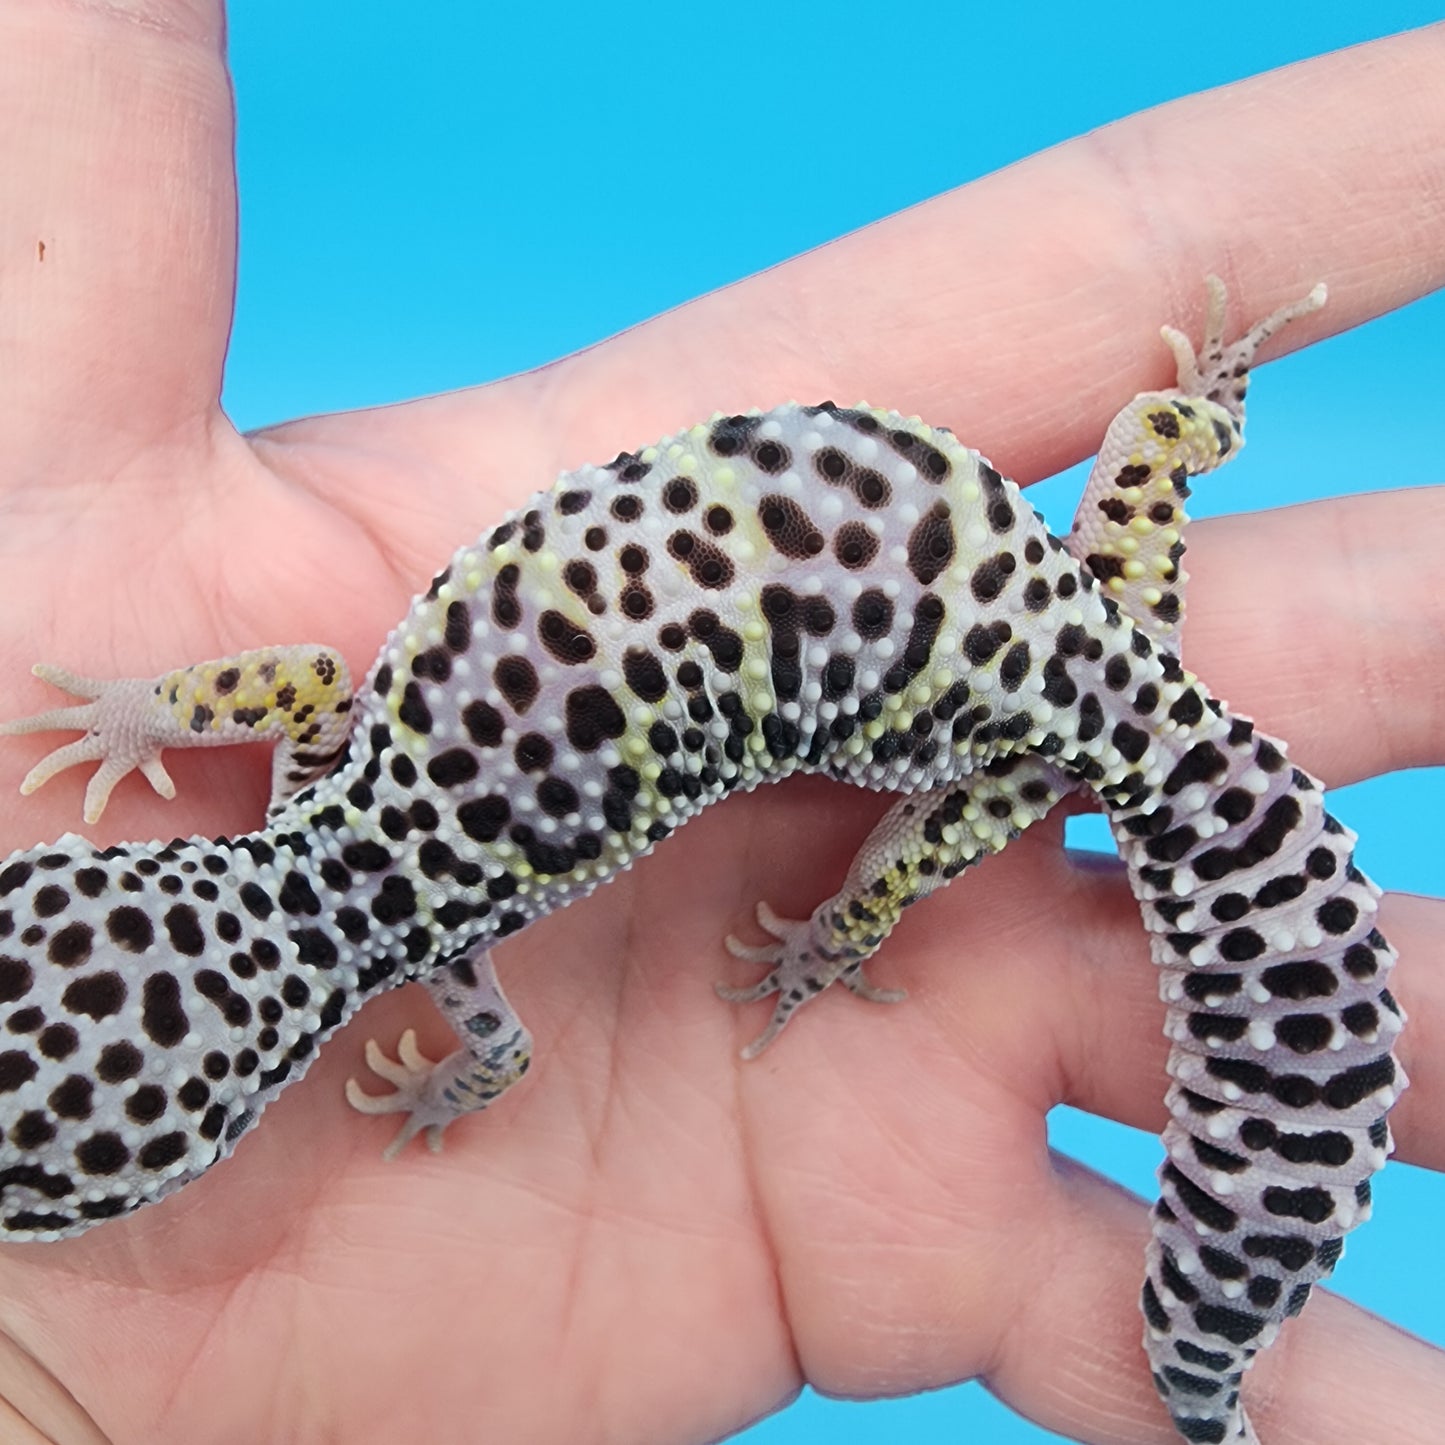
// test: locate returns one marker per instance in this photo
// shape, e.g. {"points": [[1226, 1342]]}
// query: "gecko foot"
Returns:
{"points": [[1219, 371], [409, 1073], [112, 720], [432, 1095], [799, 969]]}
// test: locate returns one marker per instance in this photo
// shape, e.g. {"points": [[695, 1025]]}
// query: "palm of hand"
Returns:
{"points": [[724, 1220], [644, 1241]]}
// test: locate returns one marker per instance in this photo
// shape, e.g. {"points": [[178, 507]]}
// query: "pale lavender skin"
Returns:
{"points": [[807, 589]]}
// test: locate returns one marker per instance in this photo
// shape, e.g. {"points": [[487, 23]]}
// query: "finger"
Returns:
{"points": [[1343, 655], [1070, 1354], [1102, 1011], [117, 220], [1020, 308]]}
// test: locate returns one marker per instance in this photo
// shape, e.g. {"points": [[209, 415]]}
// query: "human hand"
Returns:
{"points": [[871, 1208]]}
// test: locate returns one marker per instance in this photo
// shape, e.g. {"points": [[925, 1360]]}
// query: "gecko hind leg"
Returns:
{"points": [[1129, 528], [920, 843], [496, 1051], [800, 969], [1220, 372]]}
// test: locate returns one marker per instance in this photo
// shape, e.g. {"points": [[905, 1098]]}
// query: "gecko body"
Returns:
{"points": [[811, 588]]}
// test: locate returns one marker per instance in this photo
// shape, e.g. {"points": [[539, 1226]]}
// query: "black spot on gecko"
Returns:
{"points": [[991, 576], [709, 566], [162, 1017], [517, 681], [16, 977], [69, 947], [581, 577], [931, 543], [452, 768], [118, 1061], [184, 928], [680, 495], [98, 995], [980, 643], [15, 876], [414, 711], [771, 457], [533, 753], [592, 717], [1014, 667], [557, 798], [636, 601], [732, 434], [790, 529], [161, 1153], [644, 673], [102, 1153], [16, 1068], [483, 723], [49, 901], [872, 615], [564, 640], [458, 632], [855, 545], [482, 819], [57, 1041]]}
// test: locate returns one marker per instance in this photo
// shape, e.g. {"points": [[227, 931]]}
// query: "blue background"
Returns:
{"points": [[435, 196]]}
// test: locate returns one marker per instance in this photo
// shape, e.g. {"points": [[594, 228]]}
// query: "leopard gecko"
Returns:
{"points": [[812, 588]]}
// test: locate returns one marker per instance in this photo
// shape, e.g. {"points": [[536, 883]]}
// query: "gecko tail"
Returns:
{"points": [[1281, 1027]]}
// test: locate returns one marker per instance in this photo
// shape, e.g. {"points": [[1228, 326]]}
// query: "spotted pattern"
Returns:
{"points": [[841, 590]]}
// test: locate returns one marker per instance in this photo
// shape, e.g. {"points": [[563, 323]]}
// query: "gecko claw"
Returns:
{"points": [[799, 969], [409, 1073], [112, 736]]}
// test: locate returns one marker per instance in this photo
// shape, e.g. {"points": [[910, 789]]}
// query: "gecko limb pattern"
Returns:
{"points": [[813, 588]]}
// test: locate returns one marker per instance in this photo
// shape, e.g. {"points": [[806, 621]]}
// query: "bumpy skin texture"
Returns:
{"points": [[845, 591]]}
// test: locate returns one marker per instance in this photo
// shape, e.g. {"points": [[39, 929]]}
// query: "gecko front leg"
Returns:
{"points": [[299, 697]]}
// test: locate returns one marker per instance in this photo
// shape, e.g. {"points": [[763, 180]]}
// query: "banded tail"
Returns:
{"points": [[1281, 1027]]}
